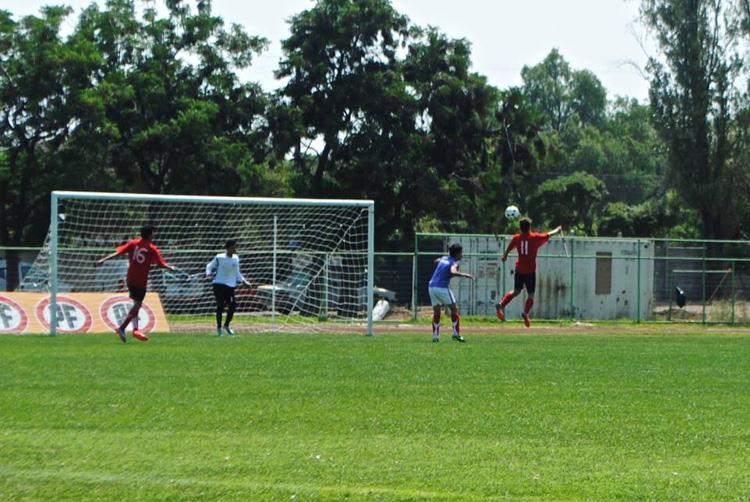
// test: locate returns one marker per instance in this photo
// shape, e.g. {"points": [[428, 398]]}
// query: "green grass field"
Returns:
{"points": [[392, 417]]}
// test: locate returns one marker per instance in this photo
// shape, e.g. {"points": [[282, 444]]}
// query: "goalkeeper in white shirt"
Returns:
{"points": [[224, 272]]}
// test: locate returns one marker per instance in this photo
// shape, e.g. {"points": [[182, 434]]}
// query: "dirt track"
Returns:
{"points": [[510, 328]]}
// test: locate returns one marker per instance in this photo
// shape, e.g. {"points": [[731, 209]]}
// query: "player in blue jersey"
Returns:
{"points": [[440, 291]]}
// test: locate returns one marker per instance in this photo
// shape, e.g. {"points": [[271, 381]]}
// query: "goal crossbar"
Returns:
{"points": [[209, 199]]}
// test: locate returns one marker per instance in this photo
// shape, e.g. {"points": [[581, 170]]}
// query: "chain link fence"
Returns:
{"points": [[578, 278]]}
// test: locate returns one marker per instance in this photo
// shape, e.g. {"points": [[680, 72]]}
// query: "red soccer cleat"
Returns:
{"points": [[500, 312], [138, 335], [526, 320]]}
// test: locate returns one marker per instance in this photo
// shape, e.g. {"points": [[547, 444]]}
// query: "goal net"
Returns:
{"points": [[310, 261]]}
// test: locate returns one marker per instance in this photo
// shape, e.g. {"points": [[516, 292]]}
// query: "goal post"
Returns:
{"points": [[310, 261]]}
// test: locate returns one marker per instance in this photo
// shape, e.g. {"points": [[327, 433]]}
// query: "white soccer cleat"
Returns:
{"points": [[228, 331]]}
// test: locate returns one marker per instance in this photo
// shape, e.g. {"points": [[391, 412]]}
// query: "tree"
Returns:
{"points": [[338, 57], [455, 117], [515, 151], [43, 79], [588, 98], [561, 93], [363, 117], [690, 92], [573, 201], [169, 113]]}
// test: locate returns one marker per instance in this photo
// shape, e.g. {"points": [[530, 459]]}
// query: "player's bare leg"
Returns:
{"points": [[456, 320], [436, 323]]}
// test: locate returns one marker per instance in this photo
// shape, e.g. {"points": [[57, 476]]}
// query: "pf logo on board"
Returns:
{"points": [[115, 309], [13, 318], [71, 316]]}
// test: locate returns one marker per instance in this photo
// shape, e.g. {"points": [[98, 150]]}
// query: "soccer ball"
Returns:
{"points": [[512, 213]]}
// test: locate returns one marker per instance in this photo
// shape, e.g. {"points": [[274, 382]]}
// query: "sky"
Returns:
{"points": [[603, 36]]}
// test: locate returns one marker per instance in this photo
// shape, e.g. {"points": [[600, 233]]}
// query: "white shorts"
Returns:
{"points": [[441, 296]]}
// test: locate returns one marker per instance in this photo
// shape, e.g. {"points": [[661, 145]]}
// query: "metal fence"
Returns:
{"points": [[578, 278], [586, 278]]}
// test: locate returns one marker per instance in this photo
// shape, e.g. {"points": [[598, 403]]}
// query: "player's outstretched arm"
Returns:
{"points": [[163, 264], [511, 246], [555, 231], [160, 262], [99, 262], [455, 272]]}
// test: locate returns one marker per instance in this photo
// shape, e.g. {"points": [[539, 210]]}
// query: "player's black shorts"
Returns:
{"points": [[137, 294], [224, 295], [528, 280]]}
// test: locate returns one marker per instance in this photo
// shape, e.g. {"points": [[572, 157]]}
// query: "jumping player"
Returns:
{"points": [[224, 269], [526, 244], [142, 253], [441, 294]]}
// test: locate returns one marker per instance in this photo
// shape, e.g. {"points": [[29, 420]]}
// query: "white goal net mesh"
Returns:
{"points": [[306, 260]]}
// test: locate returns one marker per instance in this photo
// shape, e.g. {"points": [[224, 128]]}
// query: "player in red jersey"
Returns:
{"points": [[526, 244], [142, 253]]}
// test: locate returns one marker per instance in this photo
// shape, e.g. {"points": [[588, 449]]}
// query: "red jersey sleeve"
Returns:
{"points": [[124, 248], [157, 258], [514, 242], [542, 238]]}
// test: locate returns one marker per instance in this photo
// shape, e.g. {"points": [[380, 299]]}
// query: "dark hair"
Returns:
{"points": [[525, 224], [229, 243], [455, 249], [147, 231]]}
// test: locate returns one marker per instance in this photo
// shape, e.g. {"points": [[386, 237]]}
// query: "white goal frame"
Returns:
{"points": [[60, 196]]}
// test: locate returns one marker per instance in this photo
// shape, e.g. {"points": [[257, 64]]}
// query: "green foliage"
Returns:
{"points": [[454, 116], [514, 153], [345, 109], [42, 80], [662, 216], [169, 112], [4, 167], [573, 201], [691, 92], [416, 124], [150, 98], [128, 101], [562, 94]]}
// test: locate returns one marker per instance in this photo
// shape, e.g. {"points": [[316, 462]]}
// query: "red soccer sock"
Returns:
{"points": [[529, 304], [506, 299], [435, 323], [456, 323]]}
